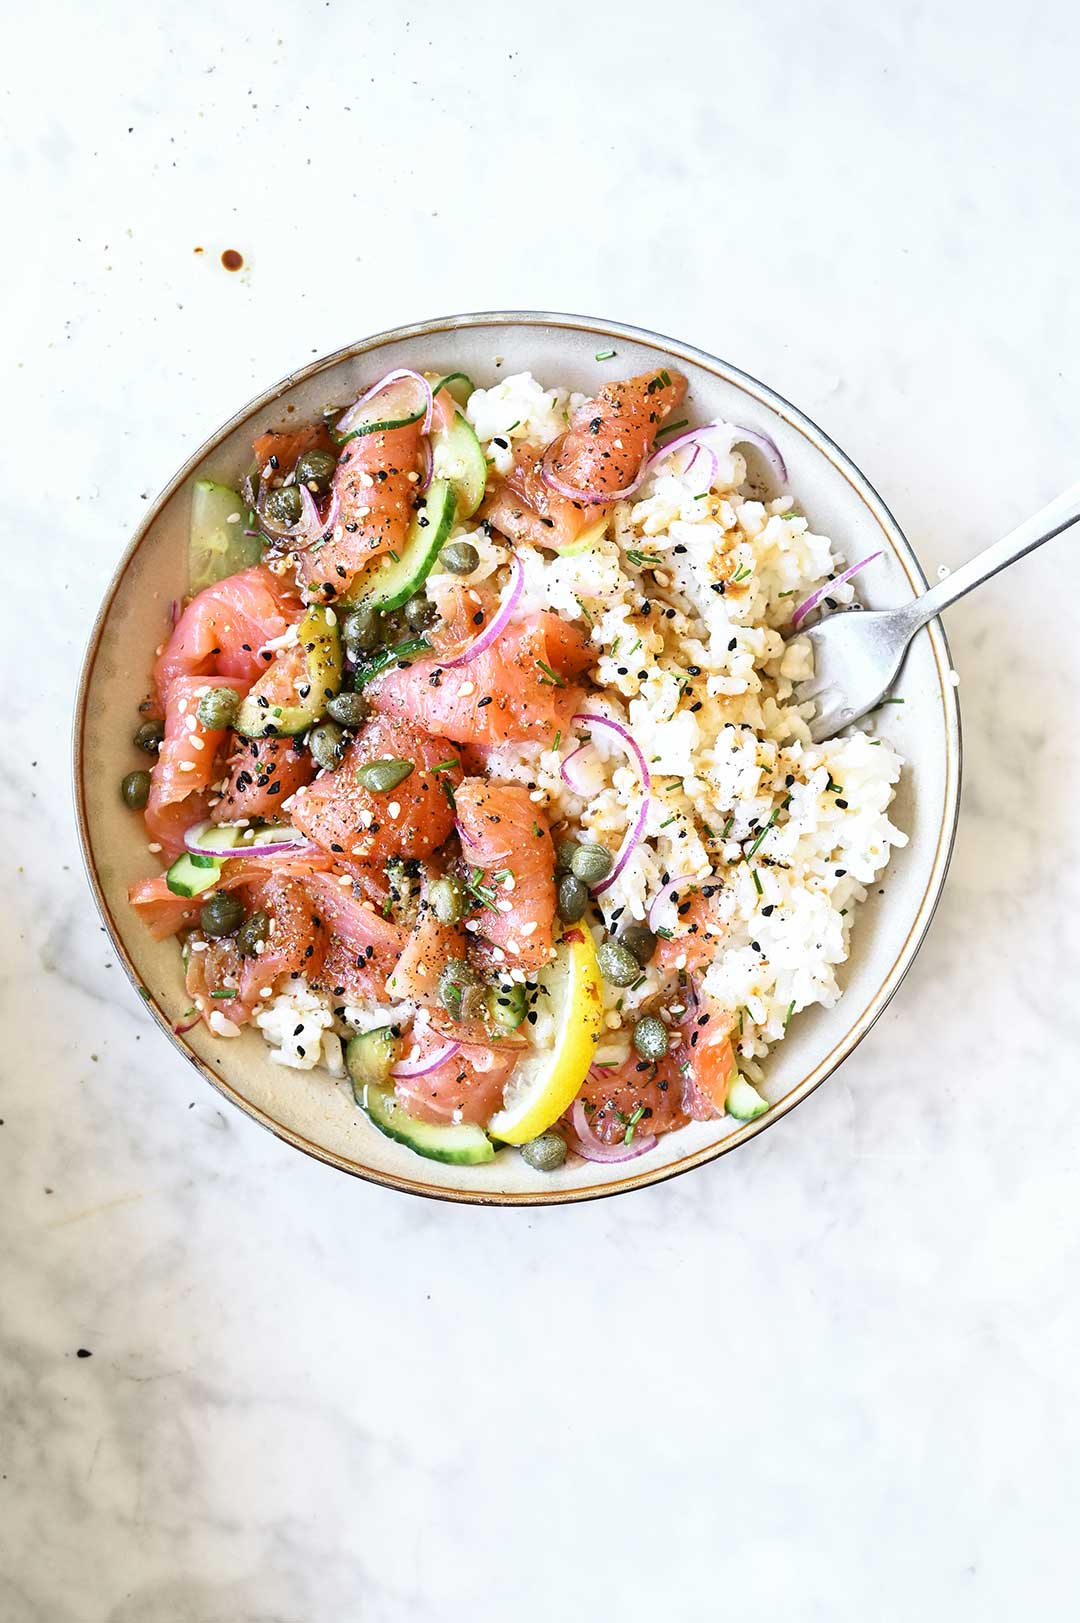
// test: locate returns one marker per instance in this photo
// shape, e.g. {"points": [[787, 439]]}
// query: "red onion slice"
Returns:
{"points": [[345, 425], [308, 528], [590, 1148], [593, 720], [567, 774], [663, 896], [572, 493], [267, 842], [823, 591], [499, 620], [427, 465], [637, 825], [180, 1029], [626, 850], [421, 1064]]}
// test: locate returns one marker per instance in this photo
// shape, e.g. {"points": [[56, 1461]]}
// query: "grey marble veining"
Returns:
{"points": [[832, 1377]]}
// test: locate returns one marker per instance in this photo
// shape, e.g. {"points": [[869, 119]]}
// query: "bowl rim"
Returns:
{"points": [[602, 328]]}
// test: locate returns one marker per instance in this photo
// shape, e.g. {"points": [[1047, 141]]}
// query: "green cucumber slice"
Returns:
{"points": [[744, 1102], [389, 582], [387, 658], [217, 545], [320, 637], [456, 384], [456, 455], [463, 1146], [191, 874], [368, 1058], [396, 406]]}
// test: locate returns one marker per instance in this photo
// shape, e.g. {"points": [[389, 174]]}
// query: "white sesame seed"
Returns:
{"points": [[266, 991], [187, 766], [538, 794], [497, 953], [528, 929], [197, 743], [153, 847], [233, 518], [413, 478], [366, 479], [181, 707], [344, 879], [509, 882], [394, 809], [331, 618], [466, 688], [504, 906]]}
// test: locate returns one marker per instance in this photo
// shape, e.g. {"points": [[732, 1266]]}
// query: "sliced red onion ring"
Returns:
{"points": [[499, 620], [589, 1146], [567, 773], [420, 1065], [768, 448], [427, 465], [626, 850], [309, 527], [268, 842], [174, 611], [593, 720], [344, 425], [658, 902], [572, 493], [698, 438], [180, 1029], [466, 839], [823, 591], [637, 825]]}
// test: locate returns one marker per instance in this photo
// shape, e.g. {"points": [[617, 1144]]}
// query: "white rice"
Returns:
{"points": [[728, 749]]}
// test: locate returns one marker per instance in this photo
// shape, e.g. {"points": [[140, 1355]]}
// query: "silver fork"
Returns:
{"points": [[858, 652]]}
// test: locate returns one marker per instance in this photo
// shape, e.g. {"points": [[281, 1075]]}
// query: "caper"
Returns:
{"points": [[546, 1153], [419, 612], [148, 736], [506, 1006], [564, 851], [651, 1037], [591, 863], [640, 941], [382, 776], [327, 744], [447, 897], [254, 931], [617, 963], [218, 708], [350, 709], [361, 630], [460, 557], [135, 790], [573, 898], [315, 469], [459, 985], [221, 914], [282, 505]]}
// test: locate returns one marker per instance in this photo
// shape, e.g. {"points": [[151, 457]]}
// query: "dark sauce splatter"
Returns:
{"points": [[232, 260]]}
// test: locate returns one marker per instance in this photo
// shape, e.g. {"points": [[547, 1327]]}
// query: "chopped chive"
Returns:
{"points": [[728, 826], [742, 573], [757, 882], [393, 554], [555, 680], [643, 560], [791, 593], [671, 428], [615, 646], [510, 430], [754, 848], [790, 1012], [558, 738], [605, 354], [665, 379], [703, 495], [223, 994], [667, 934], [668, 820], [632, 1123], [584, 610], [446, 766], [884, 702]]}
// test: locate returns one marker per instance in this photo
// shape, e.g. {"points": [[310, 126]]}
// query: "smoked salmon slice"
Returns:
{"points": [[263, 773], [186, 764], [377, 482], [224, 627], [507, 838]]}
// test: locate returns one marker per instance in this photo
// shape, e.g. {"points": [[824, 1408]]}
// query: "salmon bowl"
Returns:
{"points": [[441, 777]]}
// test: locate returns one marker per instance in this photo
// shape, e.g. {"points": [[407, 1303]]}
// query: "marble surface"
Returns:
{"points": [[831, 1377]]}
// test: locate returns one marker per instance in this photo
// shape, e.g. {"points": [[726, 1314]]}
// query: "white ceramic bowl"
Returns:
{"points": [[318, 1115]]}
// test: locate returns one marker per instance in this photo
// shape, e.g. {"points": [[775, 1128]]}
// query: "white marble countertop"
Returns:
{"points": [[831, 1377]]}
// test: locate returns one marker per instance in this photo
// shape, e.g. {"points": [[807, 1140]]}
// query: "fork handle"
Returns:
{"points": [[1042, 526]]}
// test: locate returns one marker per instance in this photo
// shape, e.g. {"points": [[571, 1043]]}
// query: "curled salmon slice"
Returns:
{"points": [[506, 843], [467, 1087], [602, 451], [263, 774], [413, 819], [225, 627], [377, 482], [186, 765], [362, 946]]}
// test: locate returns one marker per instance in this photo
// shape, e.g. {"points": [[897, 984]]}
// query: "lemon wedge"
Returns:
{"points": [[546, 1081]]}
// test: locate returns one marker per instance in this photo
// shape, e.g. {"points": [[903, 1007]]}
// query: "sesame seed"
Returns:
{"points": [[466, 688], [153, 847], [187, 766]]}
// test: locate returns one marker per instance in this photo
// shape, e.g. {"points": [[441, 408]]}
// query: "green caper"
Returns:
{"points": [[639, 939], [419, 612], [382, 776], [148, 736], [218, 708], [282, 505], [460, 557], [327, 744], [315, 469], [221, 914], [546, 1153], [573, 898], [349, 709], [361, 629], [252, 934], [591, 863], [459, 986], [564, 851], [135, 790], [617, 963], [651, 1037], [448, 897], [507, 1006]]}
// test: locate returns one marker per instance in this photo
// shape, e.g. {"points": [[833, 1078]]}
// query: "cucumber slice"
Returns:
{"points": [[387, 658], [507, 1006], [456, 455], [396, 406], [463, 1146], [588, 538], [320, 637], [368, 1058], [217, 545], [744, 1102], [457, 385], [190, 875], [389, 582]]}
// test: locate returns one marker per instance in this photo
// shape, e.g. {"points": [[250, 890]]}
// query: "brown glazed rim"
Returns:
{"points": [[797, 420]]}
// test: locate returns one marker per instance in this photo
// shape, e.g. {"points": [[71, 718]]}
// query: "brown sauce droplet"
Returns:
{"points": [[198, 250], [231, 259]]}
